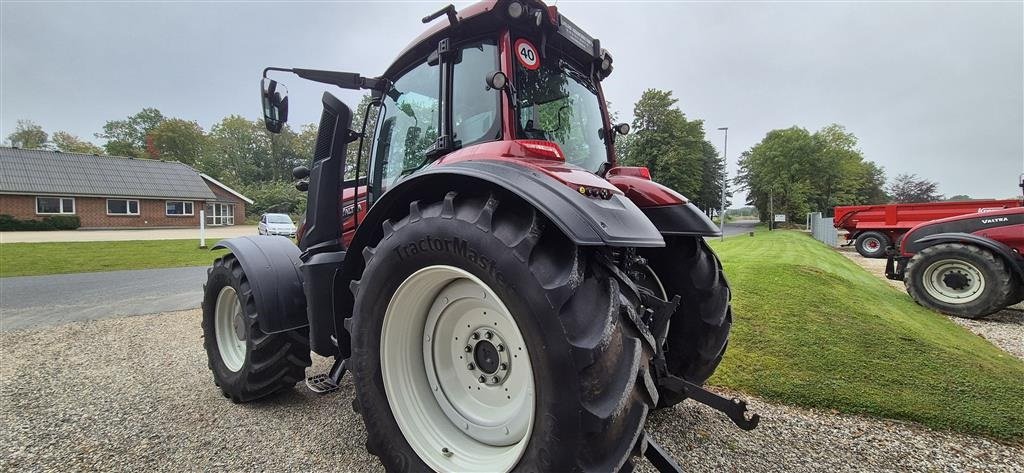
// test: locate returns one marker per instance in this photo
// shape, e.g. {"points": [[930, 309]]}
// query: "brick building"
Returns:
{"points": [[113, 192]]}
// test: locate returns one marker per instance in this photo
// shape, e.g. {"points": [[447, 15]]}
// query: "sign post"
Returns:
{"points": [[778, 218], [202, 229]]}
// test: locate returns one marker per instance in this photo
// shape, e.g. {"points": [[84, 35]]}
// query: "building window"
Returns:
{"points": [[55, 205], [122, 207], [220, 214], [178, 208]]}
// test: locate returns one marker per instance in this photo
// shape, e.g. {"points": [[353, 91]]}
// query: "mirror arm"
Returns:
{"points": [[345, 80]]}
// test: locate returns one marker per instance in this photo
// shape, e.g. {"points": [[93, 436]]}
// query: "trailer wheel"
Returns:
{"points": [[484, 340], [247, 364], [699, 331], [959, 280], [872, 244]]}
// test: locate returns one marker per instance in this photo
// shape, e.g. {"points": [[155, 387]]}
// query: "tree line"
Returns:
{"points": [[795, 170], [236, 150]]}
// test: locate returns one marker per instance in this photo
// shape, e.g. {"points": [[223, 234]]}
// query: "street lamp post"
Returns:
{"points": [[725, 173]]}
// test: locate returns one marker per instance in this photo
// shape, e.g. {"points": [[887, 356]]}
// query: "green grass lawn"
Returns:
{"points": [[32, 259], [814, 329]]}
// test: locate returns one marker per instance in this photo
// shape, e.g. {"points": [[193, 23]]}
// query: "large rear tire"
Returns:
{"points": [[247, 364], [430, 287], [959, 280], [872, 244], [699, 332]]}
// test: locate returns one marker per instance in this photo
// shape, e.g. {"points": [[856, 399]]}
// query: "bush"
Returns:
{"points": [[56, 222]]}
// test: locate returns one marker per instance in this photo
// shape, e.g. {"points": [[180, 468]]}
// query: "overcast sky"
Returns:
{"points": [[935, 89]]}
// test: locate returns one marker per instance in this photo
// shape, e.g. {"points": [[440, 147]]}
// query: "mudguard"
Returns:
{"points": [[1015, 261], [668, 210], [271, 265], [587, 221], [682, 219]]}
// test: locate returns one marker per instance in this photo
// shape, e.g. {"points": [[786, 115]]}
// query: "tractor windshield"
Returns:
{"points": [[557, 102]]}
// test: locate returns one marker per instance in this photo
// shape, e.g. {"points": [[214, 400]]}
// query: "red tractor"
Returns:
{"points": [[505, 296], [967, 266]]}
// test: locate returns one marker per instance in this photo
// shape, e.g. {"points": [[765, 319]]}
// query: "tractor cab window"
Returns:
{"points": [[408, 124], [474, 105], [556, 102]]}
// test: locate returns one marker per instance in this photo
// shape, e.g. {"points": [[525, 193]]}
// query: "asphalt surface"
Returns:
{"points": [[39, 301], [740, 227]]}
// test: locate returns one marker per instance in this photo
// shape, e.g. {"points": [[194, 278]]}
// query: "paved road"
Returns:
{"points": [[739, 228], [39, 301], [213, 233]]}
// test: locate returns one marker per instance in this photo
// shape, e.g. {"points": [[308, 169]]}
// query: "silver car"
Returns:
{"points": [[277, 224]]}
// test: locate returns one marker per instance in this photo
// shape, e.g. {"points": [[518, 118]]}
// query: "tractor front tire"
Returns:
{"points": [[872, 244], [485, 340], [699, 330], [959, 280], [247, 364]]}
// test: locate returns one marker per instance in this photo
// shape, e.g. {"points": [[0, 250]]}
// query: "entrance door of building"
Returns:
{"points": [[218, 214]]}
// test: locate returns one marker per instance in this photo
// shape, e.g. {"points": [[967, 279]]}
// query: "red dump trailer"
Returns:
{"points": [[872, 228]]}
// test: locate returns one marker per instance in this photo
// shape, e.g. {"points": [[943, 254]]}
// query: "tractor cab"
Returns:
{"points": [[513, 77]]}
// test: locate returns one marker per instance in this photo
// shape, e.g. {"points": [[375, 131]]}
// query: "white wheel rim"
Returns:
{"points": [[872, 244], [228, 325], [452, 419], [953, 281]]}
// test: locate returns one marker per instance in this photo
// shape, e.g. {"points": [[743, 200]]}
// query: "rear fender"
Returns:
{"points": [[668, 210], [271, 265], [1014, 260], [585, 220]]}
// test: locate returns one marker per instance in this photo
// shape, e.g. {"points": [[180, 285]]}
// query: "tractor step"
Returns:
{"points": [[326, 383]]}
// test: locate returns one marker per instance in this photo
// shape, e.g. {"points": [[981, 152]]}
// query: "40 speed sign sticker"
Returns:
{"points": [[527, 54]]}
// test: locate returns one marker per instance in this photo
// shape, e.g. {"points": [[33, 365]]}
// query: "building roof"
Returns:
{"points": [[33, 171], [226, 188]]}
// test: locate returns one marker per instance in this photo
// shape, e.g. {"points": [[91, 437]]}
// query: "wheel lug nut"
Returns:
{"points": [[501, 347], [468, 349], [482, 379], [471, 366], [503, 366], [489, 335], [476, 336]]}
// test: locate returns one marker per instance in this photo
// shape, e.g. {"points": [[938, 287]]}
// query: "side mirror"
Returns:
{"points": [[300, 172], [275, 105]]}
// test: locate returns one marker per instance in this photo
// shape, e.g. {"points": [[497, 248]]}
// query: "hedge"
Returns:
{"points": [[56, 222]]}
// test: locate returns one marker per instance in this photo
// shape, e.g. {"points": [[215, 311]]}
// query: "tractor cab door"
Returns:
{"points": [[413, 121]]}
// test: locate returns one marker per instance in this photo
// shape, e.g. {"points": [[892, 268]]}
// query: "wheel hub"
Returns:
{"points": [[239, 325], [490, 356], [956, 280], [953, 281]]}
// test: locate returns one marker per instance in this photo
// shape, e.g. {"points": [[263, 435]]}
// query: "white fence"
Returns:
{"points": [[822, 229]]}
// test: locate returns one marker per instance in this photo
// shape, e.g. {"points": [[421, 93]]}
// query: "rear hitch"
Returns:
{"points": [[656, 454], [735, 409]]}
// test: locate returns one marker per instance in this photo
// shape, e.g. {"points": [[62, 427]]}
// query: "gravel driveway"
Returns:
{"points": [[1004, 329], [134, 393]]}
